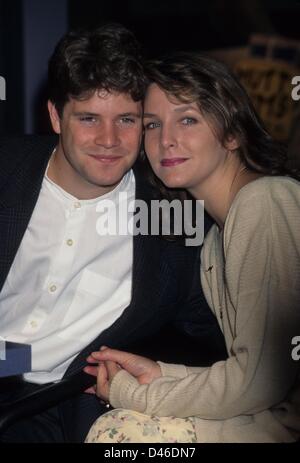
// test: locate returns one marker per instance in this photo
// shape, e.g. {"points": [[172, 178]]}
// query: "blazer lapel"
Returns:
{"points": [[17, 200], [146, 261]]}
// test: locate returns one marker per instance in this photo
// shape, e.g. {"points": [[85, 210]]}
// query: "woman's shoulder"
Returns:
{"points": [[275, 185], [264, 200], [265, 192]]}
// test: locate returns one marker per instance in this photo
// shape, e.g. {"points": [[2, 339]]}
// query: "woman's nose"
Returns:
{"points": [[168, 137]]}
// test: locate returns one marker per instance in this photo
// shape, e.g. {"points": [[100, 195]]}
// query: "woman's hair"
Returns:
{"points": [[106, 58], [192, 77]]}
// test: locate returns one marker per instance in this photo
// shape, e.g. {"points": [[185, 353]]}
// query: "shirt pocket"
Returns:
{"points": [[97, 299], [97, 285]]}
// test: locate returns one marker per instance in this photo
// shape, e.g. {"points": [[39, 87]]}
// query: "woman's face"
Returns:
{"points": [[181, 147]]}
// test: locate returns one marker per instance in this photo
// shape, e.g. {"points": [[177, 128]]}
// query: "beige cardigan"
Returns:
{"points": [[251, 278]]}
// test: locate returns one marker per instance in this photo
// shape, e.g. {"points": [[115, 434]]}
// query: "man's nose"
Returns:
{"points": [[108, 136]]}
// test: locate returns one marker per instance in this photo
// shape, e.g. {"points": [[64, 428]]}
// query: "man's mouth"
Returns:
{"points": [[105, 159]]}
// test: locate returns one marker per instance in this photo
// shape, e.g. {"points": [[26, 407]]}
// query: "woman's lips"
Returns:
{"points": [[105, 159], [172, 162]]}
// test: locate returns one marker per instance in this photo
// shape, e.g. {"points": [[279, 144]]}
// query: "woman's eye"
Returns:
{"points": [[189, 121], [151, 125]]}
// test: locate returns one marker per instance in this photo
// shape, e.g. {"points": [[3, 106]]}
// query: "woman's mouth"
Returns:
{"points": [[171, 162]]}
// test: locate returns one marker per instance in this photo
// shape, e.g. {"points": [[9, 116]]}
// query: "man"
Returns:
{"points": [[66, 290]]}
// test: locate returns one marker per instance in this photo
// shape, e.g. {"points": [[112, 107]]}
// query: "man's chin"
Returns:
{"points": [[107, 183]]}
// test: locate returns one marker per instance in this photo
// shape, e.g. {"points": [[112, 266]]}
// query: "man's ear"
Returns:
{"points": [[231, 143], [54, 117]]}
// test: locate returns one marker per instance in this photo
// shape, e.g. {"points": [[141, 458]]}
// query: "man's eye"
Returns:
{"points": [[151, 125], [189, 121], [87, 120], [127, 120]]}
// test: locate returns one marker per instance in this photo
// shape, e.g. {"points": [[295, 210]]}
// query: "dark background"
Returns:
{"points": [[29, 29]]}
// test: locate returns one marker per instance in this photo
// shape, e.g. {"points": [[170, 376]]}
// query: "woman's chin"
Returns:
{"points": [[173, 182]]}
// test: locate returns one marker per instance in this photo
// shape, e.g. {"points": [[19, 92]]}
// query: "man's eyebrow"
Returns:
{"points": [[131, 114], [85, 113], [88, 113]]}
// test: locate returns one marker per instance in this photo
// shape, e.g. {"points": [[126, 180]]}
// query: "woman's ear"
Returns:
{"points": [[231, 143]]}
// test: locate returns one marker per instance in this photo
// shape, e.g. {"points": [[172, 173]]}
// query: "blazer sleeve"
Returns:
{"points": [[194, 318]]}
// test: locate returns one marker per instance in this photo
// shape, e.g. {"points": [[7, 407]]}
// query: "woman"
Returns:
{"points": [[202, 134]]}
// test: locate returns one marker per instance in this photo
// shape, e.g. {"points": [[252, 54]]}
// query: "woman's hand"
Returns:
{"points": [[111, 360], [104, 372]]}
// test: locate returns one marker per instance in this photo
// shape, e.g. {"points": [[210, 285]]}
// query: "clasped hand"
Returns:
{"points": [[111, 361]]}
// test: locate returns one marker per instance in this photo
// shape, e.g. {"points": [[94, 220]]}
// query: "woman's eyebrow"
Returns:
{"points": [[181, 109], [186, 107]]}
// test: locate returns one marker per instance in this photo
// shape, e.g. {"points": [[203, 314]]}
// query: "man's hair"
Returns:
{"points": [[84, 61]]}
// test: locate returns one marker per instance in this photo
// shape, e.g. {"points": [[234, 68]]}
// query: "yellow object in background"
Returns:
{"points": [[269, 85]]}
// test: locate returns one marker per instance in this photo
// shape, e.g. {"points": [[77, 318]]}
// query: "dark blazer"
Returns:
{"points": [[166, 281]]}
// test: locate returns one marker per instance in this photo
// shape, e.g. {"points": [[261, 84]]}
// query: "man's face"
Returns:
{"points": [[99, 140]]}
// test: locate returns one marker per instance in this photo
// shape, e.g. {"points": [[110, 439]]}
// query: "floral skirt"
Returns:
{"points": [[121, 426]]}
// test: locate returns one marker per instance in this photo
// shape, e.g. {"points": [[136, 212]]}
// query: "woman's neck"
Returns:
{"points": [[219, 191]]}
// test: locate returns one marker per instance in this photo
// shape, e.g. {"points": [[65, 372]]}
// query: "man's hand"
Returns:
{"points": [[104, 373], [110, 361]]}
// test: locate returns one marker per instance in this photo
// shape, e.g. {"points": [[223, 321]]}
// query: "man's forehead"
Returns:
{"points": [[105, 99]]}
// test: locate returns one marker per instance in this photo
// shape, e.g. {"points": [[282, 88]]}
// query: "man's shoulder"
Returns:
{"points": [[21, 144], [14, 150]]}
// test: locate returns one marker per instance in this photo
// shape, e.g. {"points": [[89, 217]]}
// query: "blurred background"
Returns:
{"points": [[258, 39]]}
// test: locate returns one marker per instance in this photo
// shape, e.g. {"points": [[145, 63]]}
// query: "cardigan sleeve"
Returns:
{"points": [[262, 274]]}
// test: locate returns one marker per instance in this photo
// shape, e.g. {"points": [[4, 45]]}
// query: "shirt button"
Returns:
{"points": [[53, 288], [33, 324], [77, 205], [70, 242]]}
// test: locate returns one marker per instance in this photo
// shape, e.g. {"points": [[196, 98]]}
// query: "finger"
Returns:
{"points": [[102, 376], [102, 389], [91, 390], [90, 370], [114, 355], [91, 359], [112, 369]]}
